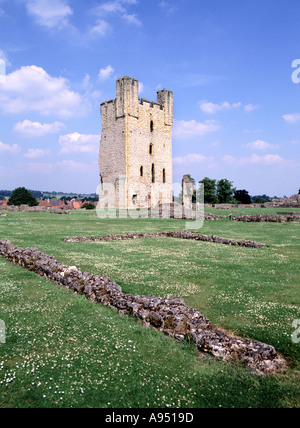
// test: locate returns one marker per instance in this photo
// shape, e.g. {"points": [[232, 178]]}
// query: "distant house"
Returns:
{"points": [[76, 205], [51, 203], [56, 203], [3, 203], [44, 204]]}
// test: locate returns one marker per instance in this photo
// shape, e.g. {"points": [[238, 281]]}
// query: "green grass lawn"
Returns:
{"points": [[62, 350]]}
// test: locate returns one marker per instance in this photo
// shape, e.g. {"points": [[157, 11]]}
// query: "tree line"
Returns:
{"points": [[5, 194], [223, 192], [22, 196]]}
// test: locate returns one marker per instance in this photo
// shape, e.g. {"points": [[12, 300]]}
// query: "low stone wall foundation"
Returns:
{"points": [[269, 218], [169, 315], [184, 234]]}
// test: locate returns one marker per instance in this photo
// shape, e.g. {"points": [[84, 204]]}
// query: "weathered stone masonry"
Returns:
{"points": [[135, 157], [269, 218], [169, 315], [184, 234]]}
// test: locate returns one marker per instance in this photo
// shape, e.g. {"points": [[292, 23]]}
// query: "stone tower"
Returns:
{"points": [[135, 156]]}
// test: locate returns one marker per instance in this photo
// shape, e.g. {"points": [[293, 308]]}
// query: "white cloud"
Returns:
{"points": [[229, 159], [292, 118], [41, 168], [120, 7], [3, 57], [6, 148], [72, 166], [101, 28], [250, 107], [3, 64], [109, 7], [113, 6], [36, 153], [186, 129], [106, 73], [141, 87], [132, 19], [211, 108], [168, 7], [36, 129], [65, 166], [49, 13], [260, 145], [271, 159], [2, 71], [31, 88], [86, 82], [79, 143], [192, 158]]}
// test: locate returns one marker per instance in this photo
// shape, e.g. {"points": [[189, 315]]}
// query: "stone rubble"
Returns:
{"points": [[184, 234], [169, 315], [270, 218]]}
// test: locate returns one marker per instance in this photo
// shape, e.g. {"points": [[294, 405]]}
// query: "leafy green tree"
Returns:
{"points": [[5, 193], [210, 191], [260, 199], [225, 191], [242, 196], [88, 206], [22, 196]]}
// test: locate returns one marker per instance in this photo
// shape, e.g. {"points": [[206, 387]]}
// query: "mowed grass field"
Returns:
{"points": [[62, 350]]}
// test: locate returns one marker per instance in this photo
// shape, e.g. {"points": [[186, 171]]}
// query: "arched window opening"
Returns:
{"points": [[164, 175], [151, 149], [153, 173], [142, 171], [151, 126]]}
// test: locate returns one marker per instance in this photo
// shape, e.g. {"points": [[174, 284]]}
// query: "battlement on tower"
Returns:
{"points": [[127, 101]]}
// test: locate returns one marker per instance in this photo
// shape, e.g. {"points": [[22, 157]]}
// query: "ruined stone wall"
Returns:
{"points": [[187, 192], [112, 154], [183, 234], [38, 209], [269, 218], [155, 160], [136, 144], [169, 315]]}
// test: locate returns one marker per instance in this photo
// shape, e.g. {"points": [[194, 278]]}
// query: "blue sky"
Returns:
{"points": [[230, 64]]}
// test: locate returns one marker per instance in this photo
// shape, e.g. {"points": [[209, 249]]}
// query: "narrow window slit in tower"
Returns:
{"points": [[153, 173]]}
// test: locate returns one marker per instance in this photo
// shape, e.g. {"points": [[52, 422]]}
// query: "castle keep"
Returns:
{"points": [[135, 158]]}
